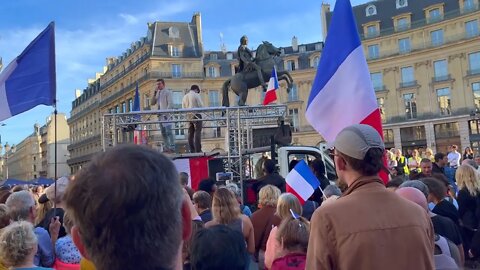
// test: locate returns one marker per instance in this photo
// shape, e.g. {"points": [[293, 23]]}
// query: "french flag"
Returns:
{"points": [[301, 182], [271, 94], [342, 93], [30, 79], [196, 168]]}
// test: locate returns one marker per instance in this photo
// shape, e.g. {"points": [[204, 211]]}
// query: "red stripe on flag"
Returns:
{"points": [[375, 120], [270, 96], [198, 170], [291, 190]]}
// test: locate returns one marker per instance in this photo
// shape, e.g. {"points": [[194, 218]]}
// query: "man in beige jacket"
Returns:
{"points": [[368, 227], [193, 100]]}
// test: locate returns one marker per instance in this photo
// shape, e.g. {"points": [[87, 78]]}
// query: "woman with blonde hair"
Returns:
{"points": [[18, 245], [225, 211], [264, 219], [293, 236], [414, 162], [469, 193], [288, 205], [429, 154]]}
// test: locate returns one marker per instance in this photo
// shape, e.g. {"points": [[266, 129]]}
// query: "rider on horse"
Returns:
{"points": [[247, 61]]}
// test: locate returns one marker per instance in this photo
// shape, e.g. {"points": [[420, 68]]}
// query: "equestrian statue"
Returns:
{"points": [[253, 71]]}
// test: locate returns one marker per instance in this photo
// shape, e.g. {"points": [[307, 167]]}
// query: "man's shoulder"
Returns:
{"points": [[40, 231]]}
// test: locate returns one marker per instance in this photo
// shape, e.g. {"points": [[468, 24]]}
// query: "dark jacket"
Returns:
{"points": [[270, 179], [447, 209], [468, 209], [437, 169], [206, 215]]}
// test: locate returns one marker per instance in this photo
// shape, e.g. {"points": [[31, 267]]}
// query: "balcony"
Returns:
{"points": [[442, 78], [179, 74], [373, 34], [470, 8], [408, 84], [435, 19], [402, 27], [124, 72], [379, 88], [429, 116]]}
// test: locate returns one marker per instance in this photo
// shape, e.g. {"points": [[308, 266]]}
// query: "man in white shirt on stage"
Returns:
{"points": [[190, 101]]}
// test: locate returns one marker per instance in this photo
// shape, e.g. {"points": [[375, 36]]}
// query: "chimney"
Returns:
{"points": [[295, 44], [78, 93], [197, 21], [323, 18]]}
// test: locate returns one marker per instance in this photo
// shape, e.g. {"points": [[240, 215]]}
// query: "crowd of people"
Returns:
{"points": [[131, 209]]}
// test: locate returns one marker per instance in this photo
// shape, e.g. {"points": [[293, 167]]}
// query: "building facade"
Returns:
{"points": [[427, 82], [34, 156], [424, 59]]}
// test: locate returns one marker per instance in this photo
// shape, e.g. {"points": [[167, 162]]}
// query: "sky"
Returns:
{"points": [[89, 31]]}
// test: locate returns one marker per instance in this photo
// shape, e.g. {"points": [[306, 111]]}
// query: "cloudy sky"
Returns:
{"points": [[88, 31]]}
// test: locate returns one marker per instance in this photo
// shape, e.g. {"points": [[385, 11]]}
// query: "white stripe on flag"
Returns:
{"points": [[4, 107], [183, 165], [299, 184], [345, 100]]}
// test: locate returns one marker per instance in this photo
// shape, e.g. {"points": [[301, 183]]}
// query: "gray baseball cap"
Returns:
{"points": [[355, 141]]}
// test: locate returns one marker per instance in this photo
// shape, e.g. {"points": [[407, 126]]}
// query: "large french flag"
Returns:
{"points": [[271, 94], [301, 182], [30, 79], [342, 93]]}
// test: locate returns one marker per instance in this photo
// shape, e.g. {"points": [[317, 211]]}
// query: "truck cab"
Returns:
{"points": [[288, 153]]}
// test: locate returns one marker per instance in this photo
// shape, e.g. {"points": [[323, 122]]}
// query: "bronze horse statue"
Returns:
{"points": [[242, 81]]}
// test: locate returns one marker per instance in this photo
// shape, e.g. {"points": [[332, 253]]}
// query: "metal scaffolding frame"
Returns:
{"points": [[237, 121]]}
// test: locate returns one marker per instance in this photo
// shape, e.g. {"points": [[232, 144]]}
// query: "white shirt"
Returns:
{"points": [[192, 100], [454, 158]]}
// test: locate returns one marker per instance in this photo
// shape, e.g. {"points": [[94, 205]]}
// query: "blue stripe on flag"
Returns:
{"points": [[274, 75], [303, 169], [33, 81], [337, 46]]}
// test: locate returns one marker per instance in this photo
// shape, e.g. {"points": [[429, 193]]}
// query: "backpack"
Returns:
{"points": [[444, 254]]}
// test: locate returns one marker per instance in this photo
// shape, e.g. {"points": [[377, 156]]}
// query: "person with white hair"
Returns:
{"points": [[22, 207], [18, 246]]}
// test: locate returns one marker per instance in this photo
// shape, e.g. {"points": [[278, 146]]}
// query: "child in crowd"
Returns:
{"points": [[293, 236], [65, 249]]}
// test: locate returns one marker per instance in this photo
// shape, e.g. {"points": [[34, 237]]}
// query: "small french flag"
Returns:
{"points": [[301, 182], [271, 94]]}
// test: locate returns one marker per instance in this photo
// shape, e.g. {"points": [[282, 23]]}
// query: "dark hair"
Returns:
{"points": [[439, 156], [217, 248], [318, 167], [183, 178], [442, 178], [161, 80], [371, 164], [436, 187], [202, 199], [207, 185], [194, 87], [119, 202], [292, 164], [269, 166], [395, 182], [425, 160]]}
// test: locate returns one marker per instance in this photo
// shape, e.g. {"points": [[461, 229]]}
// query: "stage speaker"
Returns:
{"points": [[215, 166]]}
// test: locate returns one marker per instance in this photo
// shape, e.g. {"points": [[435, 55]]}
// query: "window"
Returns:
{"points": [[229, 56], [437, 37], [474, 63], [173, 32], [372, 31], [212, 72], [117, 109], [295, 120], [124, 107], [176, 70], [468, 5], [146, 101], [318, 46], [408, 77], [290, 65], [377, 80], [214, 98], [443, 97], [315, 61], [130, 105], [381, 108], [402, 24], [410, 106], [476, 95], [434, 15], [471, 28], [302, 49], [177, 97], [371, 10], [213, 56], [402, 3], [174, 51], [440, 70], [373, 51], [404, 45], [293, 94]]}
